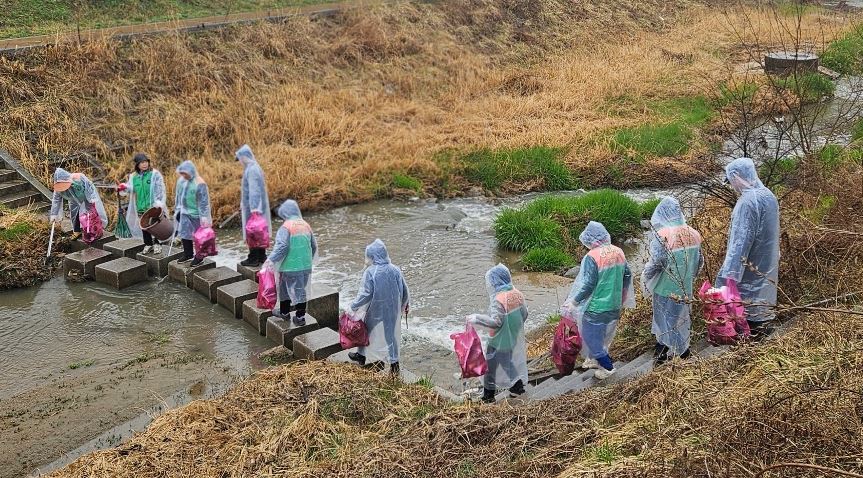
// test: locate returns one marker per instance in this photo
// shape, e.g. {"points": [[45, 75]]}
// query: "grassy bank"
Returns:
{"points": [[410, 98], [34, 17], [23, 246]]}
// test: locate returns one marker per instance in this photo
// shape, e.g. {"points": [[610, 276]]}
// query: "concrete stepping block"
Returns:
{"points": [[79, 245], [157, 264], [184, 272], [125, 247], [323, 305], [206, 282], [250, 273], [317, 345], [283, 331], [121, 273], [256, 317], [232, 296], [342, 357], [83, 263]]}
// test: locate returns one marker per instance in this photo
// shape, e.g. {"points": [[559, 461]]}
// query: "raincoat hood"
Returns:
{"points": [[290, 209], [377, 253], [61, 175], [668, 213], [189, 168], [742, 175], [594, 235], [244, 155], [497, 278]]}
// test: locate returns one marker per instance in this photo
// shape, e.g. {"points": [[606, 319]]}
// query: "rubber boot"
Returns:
{"points": [[517, 389], [357, 357], [488, 395]]}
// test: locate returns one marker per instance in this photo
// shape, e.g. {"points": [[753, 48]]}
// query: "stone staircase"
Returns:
{"points": [[18, 189]]}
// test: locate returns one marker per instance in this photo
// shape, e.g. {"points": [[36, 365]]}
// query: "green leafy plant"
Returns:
{"points": [[546, 259]]}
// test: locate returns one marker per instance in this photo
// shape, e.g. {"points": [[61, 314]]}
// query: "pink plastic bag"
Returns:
{"points": [[352, 332], [91, 225], [724, 314], [468, 350], [205, 242], [566, 346], [257, 232], [267, 293]]}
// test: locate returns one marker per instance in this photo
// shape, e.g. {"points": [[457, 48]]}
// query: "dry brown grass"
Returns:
{"points": [[333, 107], [23, 247]]}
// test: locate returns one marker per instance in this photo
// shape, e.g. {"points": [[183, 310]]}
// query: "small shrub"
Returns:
{"points": [[495, 169], [831, 156], [647, 207], [546, 259], [404, 181], [520, 231]]}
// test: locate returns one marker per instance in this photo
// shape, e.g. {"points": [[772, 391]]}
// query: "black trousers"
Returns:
{"points": [[188, 249], [285, 308], [148, 239]]}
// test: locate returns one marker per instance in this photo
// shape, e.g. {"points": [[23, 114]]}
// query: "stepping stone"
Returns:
{"points": [[183, 273], [316, 345], [250, 273], [232, 296], [121, 273], [157, 264], [342, 357], [125, 247], [80, 245], [256, 317], [207, 281], [283, 331], [323, 304], [83, 263]]}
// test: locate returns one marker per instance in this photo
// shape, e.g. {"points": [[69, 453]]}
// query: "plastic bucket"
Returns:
{"points": [[157, 224]]}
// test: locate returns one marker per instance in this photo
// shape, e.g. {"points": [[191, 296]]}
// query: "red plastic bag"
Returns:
{"points": [[267, 293], [724, 314], [352, 332], [91, 225], [468, 350], [205, 242], [257, 232], [566, 346]]}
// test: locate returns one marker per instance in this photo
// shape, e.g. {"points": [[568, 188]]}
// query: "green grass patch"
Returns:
{"points": [[670, 137], [821, 210], [83, 364], [742, 93], [426, 383], [553, 223], [809, 88], [405, 181], [16, 231], [831, 156], [647, 208], [857, 131], [497, 169], [546, 259], [846, 54], [605, 453], [553, 319]]}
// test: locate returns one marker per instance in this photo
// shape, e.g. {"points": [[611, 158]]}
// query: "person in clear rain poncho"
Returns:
{"points": [[253, 200], [601, 290], [506, 347], [80, 193], [146, 189], [752, 256], [675, 259], [291, 258], [191, 208], [382, 297]]}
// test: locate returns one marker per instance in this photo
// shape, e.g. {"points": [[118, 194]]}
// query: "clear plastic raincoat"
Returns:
{"points": [[505, 346], [752, 257], [253, 194], [675, 259], [192, 202], [80, 196], [602, 288], [293, 253], [381, 299], [158, 196]]}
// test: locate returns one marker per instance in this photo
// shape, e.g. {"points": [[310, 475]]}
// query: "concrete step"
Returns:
{"points": [[157, 264], [206, 282], [125, 247], [342, 357], [316, 345], [121, 273], [323, 304], [82, 264], [250, 273], [7, 175], [41, 207], [637, 367], [712, 351], [559, 386], [184, 273], [21, 198], [256, 317], [283, 332], [79, 245], [232, 296], [8, 188]]}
